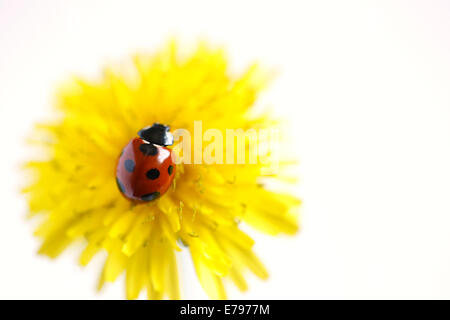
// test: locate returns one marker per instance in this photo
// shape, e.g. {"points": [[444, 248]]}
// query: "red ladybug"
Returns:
{"points": [[145, 169]]}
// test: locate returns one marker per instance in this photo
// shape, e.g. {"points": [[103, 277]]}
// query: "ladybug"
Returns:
{"points": [[145, 169]]}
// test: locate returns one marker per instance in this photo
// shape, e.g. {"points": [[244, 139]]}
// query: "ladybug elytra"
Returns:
{"points": [[145, 169]]}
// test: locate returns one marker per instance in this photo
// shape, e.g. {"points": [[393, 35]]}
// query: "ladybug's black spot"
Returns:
{"points": [[148, 149], [170, 170], [153, 174], [129, 165], [150, 196], [120, 185]]}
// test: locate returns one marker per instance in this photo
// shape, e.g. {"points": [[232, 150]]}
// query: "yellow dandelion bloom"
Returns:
{"points": [[74, 187]]}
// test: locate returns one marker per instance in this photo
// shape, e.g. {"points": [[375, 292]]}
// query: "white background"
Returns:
{"points": [[366, 84]]}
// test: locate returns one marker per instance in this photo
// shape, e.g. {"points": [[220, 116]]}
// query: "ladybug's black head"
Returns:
{"points": [[157, 134]]}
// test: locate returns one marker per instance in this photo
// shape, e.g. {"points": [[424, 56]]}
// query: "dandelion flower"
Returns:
{"points": [[73, 188]]}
